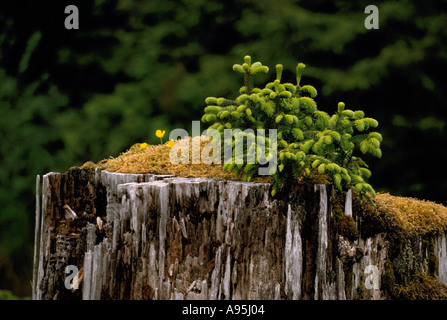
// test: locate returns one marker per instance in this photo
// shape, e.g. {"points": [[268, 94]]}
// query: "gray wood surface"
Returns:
{"points": [[166, 237]]}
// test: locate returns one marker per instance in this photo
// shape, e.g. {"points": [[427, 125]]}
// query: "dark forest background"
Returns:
{"points": [[70, 96]]}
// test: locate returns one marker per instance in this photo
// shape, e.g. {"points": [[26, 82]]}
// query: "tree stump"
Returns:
{"points": [[145, 236]]}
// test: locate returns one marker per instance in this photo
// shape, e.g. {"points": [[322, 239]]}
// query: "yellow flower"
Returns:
{"points": [[160, 134], [143, 145], [170, 143]]}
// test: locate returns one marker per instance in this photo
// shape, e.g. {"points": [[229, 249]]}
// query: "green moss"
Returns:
{"points": [[372, 221], [346, 224], [422, 286], [348, 228], [89, 165], [388, 280], [82, 173], [338, 204], [403, 278], [406, 262]]}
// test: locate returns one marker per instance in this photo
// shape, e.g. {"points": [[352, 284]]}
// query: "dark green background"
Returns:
{"points": [[69, 96]]}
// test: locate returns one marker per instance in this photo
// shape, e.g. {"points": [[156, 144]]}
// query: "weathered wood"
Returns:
{"points": [[36, 239], [166, 237], [293, 258], [440, 248], [348, 203]]}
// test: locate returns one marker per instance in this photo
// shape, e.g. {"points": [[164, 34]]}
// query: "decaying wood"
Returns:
{"points": [[165, 237], [36, 239]]}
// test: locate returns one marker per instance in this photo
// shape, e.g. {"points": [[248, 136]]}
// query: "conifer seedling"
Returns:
{"points": [[309, 140]]}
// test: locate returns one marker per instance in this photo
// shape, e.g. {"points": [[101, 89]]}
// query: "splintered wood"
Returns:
{"points": [[146, 236]]}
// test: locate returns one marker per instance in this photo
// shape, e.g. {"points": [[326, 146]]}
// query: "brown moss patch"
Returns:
{"points": [[424, 288], [412, 215], [155, 159], [348, 228]]}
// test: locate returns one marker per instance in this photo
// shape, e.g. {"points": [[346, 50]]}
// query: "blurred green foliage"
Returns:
{"points": [[8, 295], [69, 96]]}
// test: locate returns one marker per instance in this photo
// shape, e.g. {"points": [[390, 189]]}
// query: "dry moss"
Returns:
{"points": [[155, 159], [412, 215], [399, 214], [424, 288]]}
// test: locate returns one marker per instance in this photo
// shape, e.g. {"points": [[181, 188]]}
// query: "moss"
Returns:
{"points": [[406, 260], [316, 178], [348, 228], [412, 216], [384, 213], [155, 159], [89, 165], [388, 280], [399, 215], [433, 264], [372, 221], [403, 277], [338, 204], [360, 292], [346, 225], [424, 287]]}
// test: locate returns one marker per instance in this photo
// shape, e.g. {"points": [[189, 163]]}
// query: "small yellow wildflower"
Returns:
{"points": [[160, 134], [143, 145], [170, 143]]}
